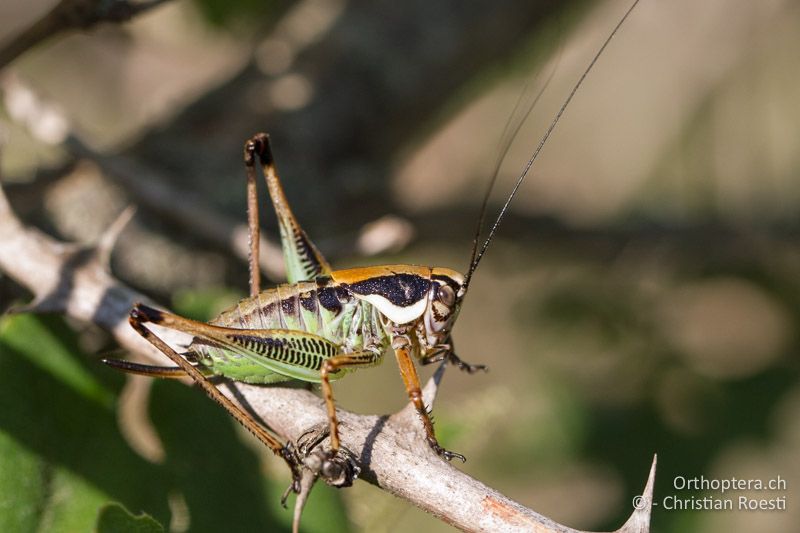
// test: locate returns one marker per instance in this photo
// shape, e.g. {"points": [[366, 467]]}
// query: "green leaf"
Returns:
{"points": [[114, 518], [23, 487], [324, 511], [43, 341], [62, 458], [62, 454], [219, 479], [226, 12]]}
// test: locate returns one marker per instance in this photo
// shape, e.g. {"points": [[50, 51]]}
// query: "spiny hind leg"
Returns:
{"points": [[338, 468], [253, 223], [303, 259], [151, 371], [141, 315], [401, 344]]}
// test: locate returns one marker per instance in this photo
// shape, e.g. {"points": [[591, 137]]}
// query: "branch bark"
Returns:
{"points": [[390, 449], [152, 190], [72, 15]]}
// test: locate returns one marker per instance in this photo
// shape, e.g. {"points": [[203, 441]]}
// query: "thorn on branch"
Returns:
{"points": [[307, 479], [314, 462], [639, 521], [105, 244]]}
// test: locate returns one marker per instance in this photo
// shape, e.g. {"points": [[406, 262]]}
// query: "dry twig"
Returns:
{"points": [[152, 190], [73, 15]]}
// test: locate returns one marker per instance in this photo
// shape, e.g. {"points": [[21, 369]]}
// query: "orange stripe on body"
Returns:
{"points": [[354, 275]]}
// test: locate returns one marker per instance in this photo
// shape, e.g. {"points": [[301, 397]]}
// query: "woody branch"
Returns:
{"points": [[69, 15]]}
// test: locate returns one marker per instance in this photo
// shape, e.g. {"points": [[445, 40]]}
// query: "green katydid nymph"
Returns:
{"points": [[324, 322], [319, 325]]}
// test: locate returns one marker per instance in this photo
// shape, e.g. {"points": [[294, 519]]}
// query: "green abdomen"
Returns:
{"points": [[320, 308]]}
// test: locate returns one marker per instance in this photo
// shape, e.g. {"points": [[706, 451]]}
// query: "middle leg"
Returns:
{"points": [[401, 344], [331, 365]]}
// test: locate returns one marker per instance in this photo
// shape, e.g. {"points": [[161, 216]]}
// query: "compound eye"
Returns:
{"points": [[446, 295]]}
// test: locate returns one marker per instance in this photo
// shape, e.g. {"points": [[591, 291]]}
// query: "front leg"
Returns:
{"points": [[401, 344], [446, 352]]}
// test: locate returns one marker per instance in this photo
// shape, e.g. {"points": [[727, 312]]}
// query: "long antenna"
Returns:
{"points": [[477, 258], [510, 132]]}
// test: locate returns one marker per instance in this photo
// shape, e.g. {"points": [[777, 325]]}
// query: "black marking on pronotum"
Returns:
{"points": [[401, 290], [343, 295], [328, 299]]}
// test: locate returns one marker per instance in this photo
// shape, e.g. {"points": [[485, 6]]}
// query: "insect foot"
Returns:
{"points": [[289, 454], [445, 454], [337, 468], [311, 438], [310, 462], [466, 367]]}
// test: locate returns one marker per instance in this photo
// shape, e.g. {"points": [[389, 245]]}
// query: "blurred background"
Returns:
{"points": [[642, 296]]}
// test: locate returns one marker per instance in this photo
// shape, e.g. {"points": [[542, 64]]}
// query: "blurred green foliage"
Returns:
{"points": [[204, 304], [222, 13], [115, 519], [619, 315], [63, 459]]}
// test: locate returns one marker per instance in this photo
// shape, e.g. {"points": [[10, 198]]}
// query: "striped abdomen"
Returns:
{"points": [[321, 308]]}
